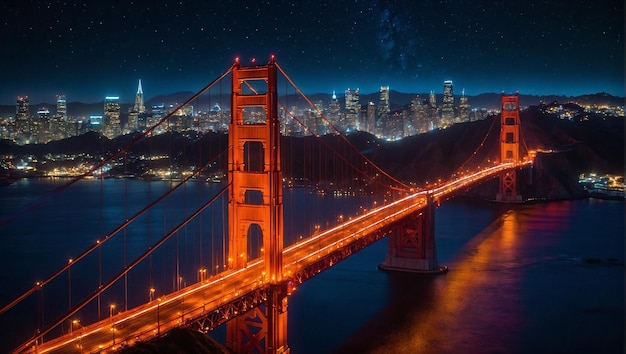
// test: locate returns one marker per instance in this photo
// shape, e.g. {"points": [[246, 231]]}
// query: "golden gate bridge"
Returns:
{"points": [[249, 287]]}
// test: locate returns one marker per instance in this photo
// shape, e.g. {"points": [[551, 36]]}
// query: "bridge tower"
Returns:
{"points": [[509, 147], [412, 244], [255, 201]]}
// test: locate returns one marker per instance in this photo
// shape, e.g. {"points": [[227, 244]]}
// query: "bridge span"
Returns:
{"points": [[250, 296], [214, 301]]}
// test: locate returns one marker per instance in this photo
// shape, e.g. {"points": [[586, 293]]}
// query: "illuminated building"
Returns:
{"points": [[139, 106], [310, 119], [59, 123], [419, 117], [371, 118], [464, 108], [111, 124], [383, 108], [157, 113], [433, 111], [22, 120], [335, 110], [42, 128], [447, 108], [61, 108], [352, 111], [136, 115], [319, 125], [394, 125], [95, 123]]}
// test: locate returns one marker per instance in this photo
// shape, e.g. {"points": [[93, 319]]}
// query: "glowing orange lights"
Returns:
{"points": [[268, 216], [509, 146]]}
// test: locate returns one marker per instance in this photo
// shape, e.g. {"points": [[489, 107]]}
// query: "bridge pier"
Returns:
{"points": [[412, 244], [262, 329]]}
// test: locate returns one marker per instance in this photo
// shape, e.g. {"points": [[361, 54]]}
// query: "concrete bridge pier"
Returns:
{"points": [[412, 244]]}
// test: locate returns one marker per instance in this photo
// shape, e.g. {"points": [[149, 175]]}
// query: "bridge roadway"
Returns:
{"points": [[175, 309]]}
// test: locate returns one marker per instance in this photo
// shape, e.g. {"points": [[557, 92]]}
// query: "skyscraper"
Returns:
{"points": [[383, 109], [61, 108], [22, 120], [447, 108], [433, 111], [419, 118], [95, 123], [335, 110], [136, 115], [352, 112], [464, 108], [371, 118], [139, 106], [42, 128], [112, 126]]}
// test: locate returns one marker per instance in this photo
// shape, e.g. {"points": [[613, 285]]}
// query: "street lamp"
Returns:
{"points": [[76, 322], [158, 317], [111, 308], [151, 294], [113, 329]]}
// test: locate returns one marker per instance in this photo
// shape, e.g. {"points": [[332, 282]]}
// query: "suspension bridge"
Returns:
{"points": [[249, 286]]}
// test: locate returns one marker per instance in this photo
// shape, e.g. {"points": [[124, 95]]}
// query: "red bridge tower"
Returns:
{"points": [[255, 203], [509, 147]]}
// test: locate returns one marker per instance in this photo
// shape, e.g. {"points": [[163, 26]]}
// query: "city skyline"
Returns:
{"points": [[88, 51]]}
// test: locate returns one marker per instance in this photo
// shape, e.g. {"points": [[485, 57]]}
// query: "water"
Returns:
{"points": [[537, 278], [543, 278]]}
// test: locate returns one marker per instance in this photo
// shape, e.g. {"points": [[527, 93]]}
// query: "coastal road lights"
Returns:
{"points": [[76, 323], [113, 330], [158, 317]]}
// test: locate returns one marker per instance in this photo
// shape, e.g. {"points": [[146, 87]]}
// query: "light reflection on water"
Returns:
{"points": [[516, 285], [520, 286]]}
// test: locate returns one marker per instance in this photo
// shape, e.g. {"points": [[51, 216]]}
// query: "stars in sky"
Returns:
{"points": [[92, 49]]}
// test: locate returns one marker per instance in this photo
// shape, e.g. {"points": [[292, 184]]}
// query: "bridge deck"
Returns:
{"points": [[216, 293]]}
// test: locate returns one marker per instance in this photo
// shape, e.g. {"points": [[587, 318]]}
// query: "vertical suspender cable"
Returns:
{"points": [[125, 218]]}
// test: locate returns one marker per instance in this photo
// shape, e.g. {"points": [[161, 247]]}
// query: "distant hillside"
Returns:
{"points": [[595, 145], [588, 143]]}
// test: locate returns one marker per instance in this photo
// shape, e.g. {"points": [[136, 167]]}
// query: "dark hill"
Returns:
{"points": [[587, 143], [594, 145]]}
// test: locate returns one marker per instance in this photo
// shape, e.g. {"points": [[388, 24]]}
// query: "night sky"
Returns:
{"points": [[91, 49]]}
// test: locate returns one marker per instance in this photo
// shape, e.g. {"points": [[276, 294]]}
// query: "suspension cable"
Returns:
{"points": [[479, 145], [130, 266], [400, 183], [98, 243]]}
